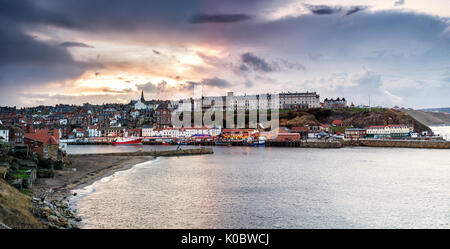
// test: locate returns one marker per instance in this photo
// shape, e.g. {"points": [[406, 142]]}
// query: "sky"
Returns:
{"points": [[108, 51]]}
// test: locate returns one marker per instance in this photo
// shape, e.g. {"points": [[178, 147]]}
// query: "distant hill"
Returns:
{"points": [[350, 117], [444, 109], [430, 118]]}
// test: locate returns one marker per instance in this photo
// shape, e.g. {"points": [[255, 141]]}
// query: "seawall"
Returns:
{"points": [[399, 143], [305, 144], [183, 152]]}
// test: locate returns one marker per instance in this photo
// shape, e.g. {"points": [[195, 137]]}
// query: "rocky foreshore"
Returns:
{"points": [[56, 214]]}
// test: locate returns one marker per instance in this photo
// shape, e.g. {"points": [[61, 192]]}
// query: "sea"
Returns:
{"points": [[268, 187]]}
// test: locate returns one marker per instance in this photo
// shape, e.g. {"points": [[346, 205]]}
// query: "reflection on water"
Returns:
{"points": [[242, 187]]}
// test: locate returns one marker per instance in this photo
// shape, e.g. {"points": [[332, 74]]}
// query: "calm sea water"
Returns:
{"points": [[240, 187]]}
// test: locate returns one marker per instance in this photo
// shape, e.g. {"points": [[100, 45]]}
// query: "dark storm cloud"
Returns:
{"points": [[25, 60], [328, 10], [323, 9], [255, 62], [259, 64], [355, 9], [213, 82], [216, 82], [219, 18], [75, 44]]}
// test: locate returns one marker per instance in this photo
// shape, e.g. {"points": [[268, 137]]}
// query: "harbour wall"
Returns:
{"points": [[305, 144], [155, 153], [440, 144], [423, 144]]}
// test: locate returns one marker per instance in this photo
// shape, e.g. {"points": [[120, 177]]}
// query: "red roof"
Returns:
{"points": [[43, 138], [337, 122]]}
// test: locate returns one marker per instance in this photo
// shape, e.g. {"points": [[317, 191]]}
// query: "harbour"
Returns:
{"points": [[271, 187]]}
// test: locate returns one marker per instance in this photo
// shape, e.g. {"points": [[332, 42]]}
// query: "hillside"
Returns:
{"points": [[350, 117], [430, 118], [444, 109], [16, 208]]}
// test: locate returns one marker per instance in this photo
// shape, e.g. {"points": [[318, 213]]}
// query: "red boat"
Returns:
{"points": [[118, 141]]}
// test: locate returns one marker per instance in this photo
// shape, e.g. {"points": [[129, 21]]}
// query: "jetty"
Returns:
{"points": [[155, 153]]}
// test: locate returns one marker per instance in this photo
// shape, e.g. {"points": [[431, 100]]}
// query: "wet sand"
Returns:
{"points": [[84, 170]]}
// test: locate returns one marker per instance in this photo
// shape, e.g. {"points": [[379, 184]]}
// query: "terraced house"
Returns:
{"points": [[393, 131]]}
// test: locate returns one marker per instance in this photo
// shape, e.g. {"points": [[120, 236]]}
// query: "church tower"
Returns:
{"points": [[142, 96]]}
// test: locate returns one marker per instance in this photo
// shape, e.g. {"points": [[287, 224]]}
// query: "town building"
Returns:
{"points": [[16, 135], [147, 130], [142, 104], [302, 130], [355, 133], [335, 103], [298, 100], [4, 133], [163, 115], [94, 131], [43, 144], [393, 131]]}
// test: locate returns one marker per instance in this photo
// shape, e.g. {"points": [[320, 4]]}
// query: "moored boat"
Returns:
{"points": [[256, 143], [223, 143], [119, 141]]}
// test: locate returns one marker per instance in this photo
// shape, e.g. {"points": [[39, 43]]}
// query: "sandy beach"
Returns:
{"points": [[83, 171]]}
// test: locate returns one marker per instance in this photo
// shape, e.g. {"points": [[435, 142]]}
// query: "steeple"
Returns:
{"points": [[142, 96]]}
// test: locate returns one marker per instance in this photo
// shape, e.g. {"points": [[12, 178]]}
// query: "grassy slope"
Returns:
{"points": [[16, 208]]}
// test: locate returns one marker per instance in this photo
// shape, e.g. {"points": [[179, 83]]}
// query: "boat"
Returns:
{"points": [[256, 143], [223, 143], [118, 141], [260, 142]]}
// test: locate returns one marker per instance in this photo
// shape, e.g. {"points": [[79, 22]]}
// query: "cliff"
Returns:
{"points": [[350, 117], [430, 118]]}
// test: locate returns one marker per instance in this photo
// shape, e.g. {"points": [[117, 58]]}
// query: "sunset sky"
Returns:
{"points": [[102, 51]]}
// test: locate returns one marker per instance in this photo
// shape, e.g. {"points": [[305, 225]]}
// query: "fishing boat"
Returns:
{"points": [[118, 141]]}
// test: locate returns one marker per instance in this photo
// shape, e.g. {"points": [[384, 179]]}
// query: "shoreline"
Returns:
{"points": [[83, 171]]}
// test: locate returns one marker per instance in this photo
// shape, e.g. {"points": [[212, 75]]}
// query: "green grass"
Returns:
{"points": [[340, 129], [27, 191], [21, 176]]}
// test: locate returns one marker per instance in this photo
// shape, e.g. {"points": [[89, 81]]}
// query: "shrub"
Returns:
{"points": [[45, 173], [45, 163], [58, 165]]}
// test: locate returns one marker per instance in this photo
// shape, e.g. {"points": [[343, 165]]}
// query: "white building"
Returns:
{"points": [[251, 102], [299, 100], [141, 104], [93, 131], [63, 121], [147, 131], [398, 130], [4, 133]]}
